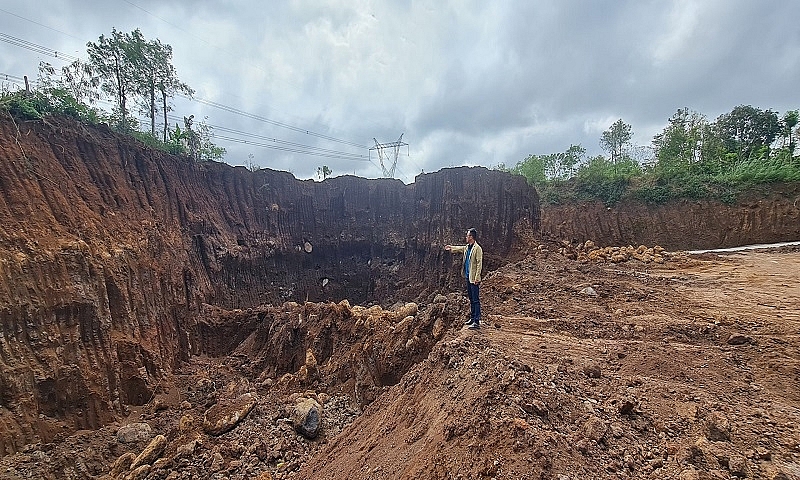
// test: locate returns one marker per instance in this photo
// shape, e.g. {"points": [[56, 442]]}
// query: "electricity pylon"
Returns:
{"points": [[383, 154]]}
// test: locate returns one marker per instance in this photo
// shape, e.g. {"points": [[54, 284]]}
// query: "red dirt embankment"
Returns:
{"points": [[146, 300], [764, 215]]}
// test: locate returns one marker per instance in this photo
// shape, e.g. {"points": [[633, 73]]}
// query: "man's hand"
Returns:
{"points": [[447, 247]]}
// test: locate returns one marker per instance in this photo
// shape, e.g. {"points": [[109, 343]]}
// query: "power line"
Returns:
{"points": [[276, 141], [54, 53], [12, 78], [35, 48], [40, 24], [276, 144], [273, 122]]}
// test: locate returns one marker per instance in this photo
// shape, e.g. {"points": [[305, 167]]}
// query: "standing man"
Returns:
{"points": [[471, 266]]}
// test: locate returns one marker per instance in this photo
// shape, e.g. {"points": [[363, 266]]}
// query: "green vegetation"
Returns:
{"points": [[691, 158], [129, 70]]}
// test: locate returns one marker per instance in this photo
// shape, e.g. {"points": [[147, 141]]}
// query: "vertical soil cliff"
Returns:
{"points": [[765, 215], [109, 251], [115, 261]]}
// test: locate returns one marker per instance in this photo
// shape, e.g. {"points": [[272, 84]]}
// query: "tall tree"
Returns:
{"points": [[747, 132], [155, 75], [788, 123], [681, 144], [114, 61], [616, 140], [168, 85]]}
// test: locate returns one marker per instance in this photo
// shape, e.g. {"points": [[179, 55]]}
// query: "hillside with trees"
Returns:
{"points": [[131, 74], [691, 158]]}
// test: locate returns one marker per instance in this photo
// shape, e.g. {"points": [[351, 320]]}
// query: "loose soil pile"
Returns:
{"points": [[685, 369]]}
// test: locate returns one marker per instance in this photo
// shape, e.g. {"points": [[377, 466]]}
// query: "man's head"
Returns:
{"points": [[472, 235]]}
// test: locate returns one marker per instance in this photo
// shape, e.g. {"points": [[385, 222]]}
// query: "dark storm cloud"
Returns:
{"points": [[467, 82]]}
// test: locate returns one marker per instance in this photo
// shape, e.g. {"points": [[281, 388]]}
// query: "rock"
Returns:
{"points": [[186, 423], [218, 463], [592, 370], [718, 428], [627, 407], [689, 474], [122, 464], [186, 405], [589, 291], [738, 339], [225, 415], [307, 418], [763, 454], [408, 310], [536, 407], [594, 429], [134, 432], [308, 371], [187, 449], [438, 329], [139, 473], [439, 298], [150, 452]]}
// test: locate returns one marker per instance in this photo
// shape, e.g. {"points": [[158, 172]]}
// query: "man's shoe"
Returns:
{"points": [[475, 326], [469, 322]]}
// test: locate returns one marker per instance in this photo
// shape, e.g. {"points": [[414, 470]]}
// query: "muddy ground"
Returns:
{"points": [[686, 369]]}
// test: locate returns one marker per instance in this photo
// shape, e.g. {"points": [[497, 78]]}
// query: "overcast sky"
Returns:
{"points": [[465, 82]]}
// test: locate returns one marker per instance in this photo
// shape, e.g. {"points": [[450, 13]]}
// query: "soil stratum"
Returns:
{"points": [[161, 319]]}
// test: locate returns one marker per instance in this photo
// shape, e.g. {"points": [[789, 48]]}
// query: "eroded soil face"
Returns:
{"points": [[686, 369]]}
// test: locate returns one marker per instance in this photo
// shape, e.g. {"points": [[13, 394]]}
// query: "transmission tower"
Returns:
{"points": [[384, 152]]}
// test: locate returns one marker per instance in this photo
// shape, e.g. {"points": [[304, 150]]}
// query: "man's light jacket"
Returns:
{"points": [[475, 261]]}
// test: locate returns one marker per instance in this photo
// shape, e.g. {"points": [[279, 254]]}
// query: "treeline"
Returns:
{"points": [[134, 74], [691, 158]]}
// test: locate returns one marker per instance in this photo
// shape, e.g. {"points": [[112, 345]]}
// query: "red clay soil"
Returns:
{"points": [[688, 369]]}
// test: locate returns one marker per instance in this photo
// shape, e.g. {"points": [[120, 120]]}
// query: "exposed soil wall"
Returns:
{"points": [[767, 215], [112, 255], [109, 251]]}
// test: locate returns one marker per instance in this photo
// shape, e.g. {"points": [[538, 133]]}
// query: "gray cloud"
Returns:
{"points": [[467, 82]]}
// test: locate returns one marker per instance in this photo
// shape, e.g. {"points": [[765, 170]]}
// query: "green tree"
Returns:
{"points": [[155, 75], [747, 132], [77, 79], [532, 168], [616, 140], [680, 147], [323, 172], [197, 139], [788, 123], [114, 61]]}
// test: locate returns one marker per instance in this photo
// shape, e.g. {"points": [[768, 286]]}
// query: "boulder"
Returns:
{"points": [[223, 416], [307, 418], [150, 452], [134, 432]]}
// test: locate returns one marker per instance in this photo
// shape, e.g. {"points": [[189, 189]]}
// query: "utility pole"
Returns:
{"points": [[383, 155]]}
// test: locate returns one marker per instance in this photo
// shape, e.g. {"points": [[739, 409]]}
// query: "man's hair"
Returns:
{"points": [[473, 233]]}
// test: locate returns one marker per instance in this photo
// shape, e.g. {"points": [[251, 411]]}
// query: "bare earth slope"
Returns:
{"points": [[688, 370], [166, 319]]}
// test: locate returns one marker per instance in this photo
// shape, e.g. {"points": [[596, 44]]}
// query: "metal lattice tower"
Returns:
{"points": [[383, 154]]}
